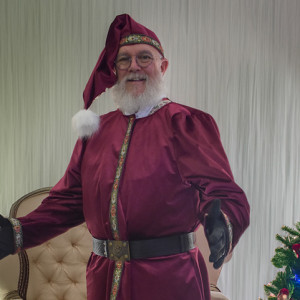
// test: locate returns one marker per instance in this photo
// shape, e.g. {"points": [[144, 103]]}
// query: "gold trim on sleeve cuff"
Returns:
{"points": [[18, 234]]}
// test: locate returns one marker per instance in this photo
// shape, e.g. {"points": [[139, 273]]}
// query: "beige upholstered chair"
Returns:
{"points": [[56, 269]]}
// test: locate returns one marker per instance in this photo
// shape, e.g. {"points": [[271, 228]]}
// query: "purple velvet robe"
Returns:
{"points": [[175, 167]]}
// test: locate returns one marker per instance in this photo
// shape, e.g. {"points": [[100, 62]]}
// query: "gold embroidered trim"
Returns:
{"points": [[116, 279], [113, 213], [18, 234], [159, 106], [141, 39]]}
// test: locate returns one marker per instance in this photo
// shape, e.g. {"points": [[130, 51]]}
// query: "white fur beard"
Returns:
{"points": [[130, 104]]}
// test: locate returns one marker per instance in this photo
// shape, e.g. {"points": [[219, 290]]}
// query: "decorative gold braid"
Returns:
{"points": [[18, 234], [113, 213], [116, 279], [159, 106], [141, 39]]}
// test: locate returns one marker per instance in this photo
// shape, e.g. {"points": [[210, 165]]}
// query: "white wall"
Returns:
{"points": [[236, 59]]}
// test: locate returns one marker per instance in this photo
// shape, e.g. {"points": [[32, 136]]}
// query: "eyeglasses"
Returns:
{"points": [[143, 60]]}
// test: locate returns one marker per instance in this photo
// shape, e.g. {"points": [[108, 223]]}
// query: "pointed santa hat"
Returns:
{"points": [[123, 31]]}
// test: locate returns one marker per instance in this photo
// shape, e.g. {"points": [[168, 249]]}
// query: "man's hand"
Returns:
{"points": [[217, 234], [6, 238]]}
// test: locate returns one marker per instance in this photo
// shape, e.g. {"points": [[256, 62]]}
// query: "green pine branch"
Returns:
{"points": [[283, 257], [291, 231], [286, 259], [284, 240], [270, 289]]}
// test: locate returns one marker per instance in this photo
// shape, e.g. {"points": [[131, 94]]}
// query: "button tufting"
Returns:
{"points": [[57, 267]]}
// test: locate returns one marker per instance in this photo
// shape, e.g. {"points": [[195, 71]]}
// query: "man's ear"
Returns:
{"points": [[164, 65]]}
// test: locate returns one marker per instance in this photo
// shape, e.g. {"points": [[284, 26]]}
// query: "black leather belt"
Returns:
{"points": [[126, 250]]}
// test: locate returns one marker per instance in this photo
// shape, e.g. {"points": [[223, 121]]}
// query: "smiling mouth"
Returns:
{"points": [[136, 78]]}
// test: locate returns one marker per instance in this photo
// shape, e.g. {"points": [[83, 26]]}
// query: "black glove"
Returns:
{"points": [[217, 234], [7, 244]]}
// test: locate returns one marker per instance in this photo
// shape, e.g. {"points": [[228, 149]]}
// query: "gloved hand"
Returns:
{"points": [[7, 245], [217, 234]]}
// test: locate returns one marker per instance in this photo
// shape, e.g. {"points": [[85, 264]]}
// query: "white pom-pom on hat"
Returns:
{"points": [[85, 123]]}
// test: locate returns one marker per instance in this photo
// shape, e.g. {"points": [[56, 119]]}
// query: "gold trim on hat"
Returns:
{"points": [[141, 39]]}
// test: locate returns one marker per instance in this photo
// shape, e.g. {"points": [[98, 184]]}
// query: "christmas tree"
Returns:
{"points": [[286, 285]]}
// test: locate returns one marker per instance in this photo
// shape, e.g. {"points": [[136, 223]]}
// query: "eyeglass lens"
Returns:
{"points": [[143, 60]]}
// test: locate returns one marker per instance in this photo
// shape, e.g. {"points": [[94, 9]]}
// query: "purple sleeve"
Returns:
{"points": [[203, 164], [61, 210]]}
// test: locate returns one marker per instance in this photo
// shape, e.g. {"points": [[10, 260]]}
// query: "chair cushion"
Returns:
{"points": [[58, 267]]}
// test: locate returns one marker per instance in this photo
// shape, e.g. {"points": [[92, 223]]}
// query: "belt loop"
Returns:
{"points": [[186, 240], [100, 247]]}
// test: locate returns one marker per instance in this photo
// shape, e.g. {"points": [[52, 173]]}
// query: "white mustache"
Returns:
{"points": [[135, 76]]}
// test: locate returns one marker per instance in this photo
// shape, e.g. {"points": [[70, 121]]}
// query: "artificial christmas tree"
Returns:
{"points": [[286, 285]]}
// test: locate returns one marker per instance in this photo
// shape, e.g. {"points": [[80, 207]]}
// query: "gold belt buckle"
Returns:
{"points": [[118, 250]]}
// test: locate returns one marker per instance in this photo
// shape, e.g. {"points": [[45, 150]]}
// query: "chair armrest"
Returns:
{"points": [[13, 295], [217, 296]]}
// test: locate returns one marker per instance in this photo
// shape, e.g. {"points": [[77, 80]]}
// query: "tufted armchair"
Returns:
{"points": [[56, 269]]}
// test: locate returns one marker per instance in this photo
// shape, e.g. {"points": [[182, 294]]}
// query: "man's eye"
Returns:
{"points": [[123, 59], [144, 57]]}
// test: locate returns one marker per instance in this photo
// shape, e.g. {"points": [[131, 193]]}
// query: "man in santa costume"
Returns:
{"points": [[143, 178]]}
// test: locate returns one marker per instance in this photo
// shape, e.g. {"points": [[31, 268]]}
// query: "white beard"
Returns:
{"points": [[129, 103]]}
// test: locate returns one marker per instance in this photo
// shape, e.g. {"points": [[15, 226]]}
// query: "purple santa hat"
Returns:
{"points": [[123, 31]]}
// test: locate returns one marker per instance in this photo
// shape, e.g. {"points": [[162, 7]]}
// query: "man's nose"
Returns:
{"points": [[134, 65]]}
